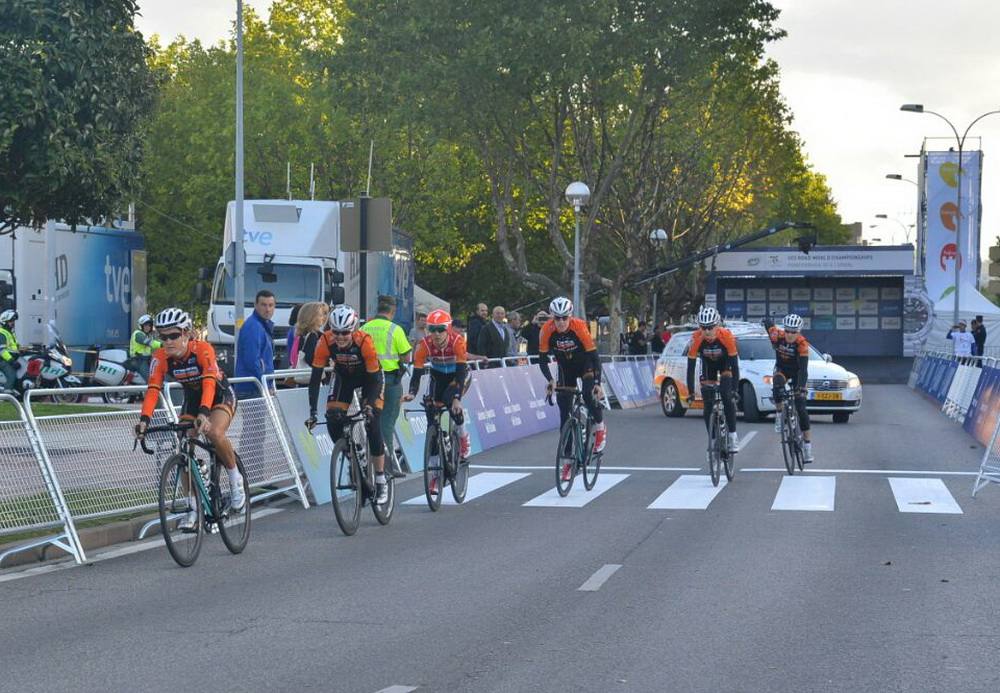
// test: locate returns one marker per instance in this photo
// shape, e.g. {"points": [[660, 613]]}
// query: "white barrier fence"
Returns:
{"points": [[965, 386]]}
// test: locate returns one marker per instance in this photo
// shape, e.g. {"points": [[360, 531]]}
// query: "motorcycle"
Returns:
{"points": [[46, 367], [114, 368]]}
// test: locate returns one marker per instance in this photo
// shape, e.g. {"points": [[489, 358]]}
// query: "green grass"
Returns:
{"points": [[8, 413]]}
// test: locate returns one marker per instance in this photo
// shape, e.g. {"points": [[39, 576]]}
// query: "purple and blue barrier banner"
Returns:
{"points": [[985, 406], [631, 381]]}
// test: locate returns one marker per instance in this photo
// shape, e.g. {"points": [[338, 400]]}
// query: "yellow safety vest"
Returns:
{"points": [[390, 342], [137, 348], [9, 347]]}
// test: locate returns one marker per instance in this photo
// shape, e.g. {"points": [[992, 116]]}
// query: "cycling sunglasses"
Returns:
{"points": [[787, 331], [437, 329], [170, 336], [561, 318], [342, 333]]}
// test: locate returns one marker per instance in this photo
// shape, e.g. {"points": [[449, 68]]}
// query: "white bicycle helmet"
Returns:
{"points": [[561, 307], [792, 322], [343, 318], [173, 317], [708, 317], [145, 319], [8, 316]]}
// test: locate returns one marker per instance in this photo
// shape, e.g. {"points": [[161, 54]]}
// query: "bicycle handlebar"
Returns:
{"points": [[181, 427]]}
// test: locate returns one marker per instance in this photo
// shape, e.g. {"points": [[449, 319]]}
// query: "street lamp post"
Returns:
{"points": [[578, 195], [238, 257], [657, 236], [960, 140]]}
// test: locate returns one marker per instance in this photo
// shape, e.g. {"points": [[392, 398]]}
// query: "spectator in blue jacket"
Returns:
{"points": [[255, 346]]}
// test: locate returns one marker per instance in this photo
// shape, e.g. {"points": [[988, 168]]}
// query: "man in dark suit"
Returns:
{"points": [[476, 322], [496, 340]]}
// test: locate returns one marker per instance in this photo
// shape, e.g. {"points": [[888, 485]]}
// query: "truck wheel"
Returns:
{"points": [[749, 396], [670, 400], [841, 416]]}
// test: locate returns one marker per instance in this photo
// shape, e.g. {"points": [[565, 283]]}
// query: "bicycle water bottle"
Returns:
{"points": [[203, 469]]}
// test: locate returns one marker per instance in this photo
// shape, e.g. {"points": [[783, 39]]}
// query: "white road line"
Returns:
{"points": [[923, 496], [549, 467], [479, 485], [578, 495], [806, 493], [746, 441], [818, 470], [688, 492], [601, 576], [397, 689], [126, 550]]}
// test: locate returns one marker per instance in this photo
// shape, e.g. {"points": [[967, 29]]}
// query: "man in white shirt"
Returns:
{"points": [[963, 340]]}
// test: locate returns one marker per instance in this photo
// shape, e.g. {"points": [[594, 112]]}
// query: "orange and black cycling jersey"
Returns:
{"points": [[356, 364], [573, 349], [197, 371], [447, 363], [718, 355], [790, 357]]}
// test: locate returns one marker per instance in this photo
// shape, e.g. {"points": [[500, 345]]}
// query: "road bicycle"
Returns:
{"points": [[443, 464], [211, 491], [720, 455], [792, 440], [575, 452], [352, 476]]}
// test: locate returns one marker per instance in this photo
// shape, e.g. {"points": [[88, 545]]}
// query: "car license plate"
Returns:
{"points": [[828, 395]]}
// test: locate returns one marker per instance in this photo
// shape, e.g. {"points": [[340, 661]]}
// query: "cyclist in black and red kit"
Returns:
{"points": [[791, 365], [720, 368]]}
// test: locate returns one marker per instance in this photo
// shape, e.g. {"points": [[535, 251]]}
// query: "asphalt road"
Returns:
{"points": [[735, 596]]}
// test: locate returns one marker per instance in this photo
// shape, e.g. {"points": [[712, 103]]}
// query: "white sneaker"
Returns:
{"points": [[188, 522], [381, 493], [807, 453], [237, 499], [734, 442], [777, 423]]}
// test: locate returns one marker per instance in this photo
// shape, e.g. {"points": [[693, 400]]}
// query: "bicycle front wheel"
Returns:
{"points": [[434, 476], [591, 460], [460, 480], [566, 457], [788, 444], [345, 487], [715, 451], [176, 490], [234, 526]]}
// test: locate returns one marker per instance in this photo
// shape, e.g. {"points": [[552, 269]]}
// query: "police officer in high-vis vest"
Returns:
{"points": [[393, 349], [142, 345], [9, 351]]}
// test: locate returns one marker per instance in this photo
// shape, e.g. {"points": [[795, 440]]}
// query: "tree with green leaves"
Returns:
{"points": [[76, 91]]}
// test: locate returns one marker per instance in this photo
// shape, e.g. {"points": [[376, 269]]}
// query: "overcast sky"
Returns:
{"points": [[847, 65]]}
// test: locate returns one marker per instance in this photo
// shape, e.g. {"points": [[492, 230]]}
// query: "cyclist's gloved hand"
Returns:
{"points": [[140, 429], [311, 421], [203, 424], [768, 323], [369, 412], [409, 397], [456, 406]]}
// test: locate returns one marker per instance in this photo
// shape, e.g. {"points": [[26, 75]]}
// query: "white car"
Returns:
{"points": [[832, 389]]}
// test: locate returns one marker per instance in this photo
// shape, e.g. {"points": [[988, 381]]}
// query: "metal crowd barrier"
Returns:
{"points": [[989, 468], [30, 496], [91, 456], [962, 388]]}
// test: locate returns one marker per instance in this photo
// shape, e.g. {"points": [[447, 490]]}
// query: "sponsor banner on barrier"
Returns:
{"points": [[985, 406], [313, 449], [631, 382]]}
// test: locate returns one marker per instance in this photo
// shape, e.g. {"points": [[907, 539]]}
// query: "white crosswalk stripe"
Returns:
{"points": [[479, 485], [578, 495], [806, 493], [689, 492], [923, 496], [803, 493]]}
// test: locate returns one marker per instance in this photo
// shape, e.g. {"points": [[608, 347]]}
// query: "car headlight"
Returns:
{"points": [[854, 381], [768, 379]]}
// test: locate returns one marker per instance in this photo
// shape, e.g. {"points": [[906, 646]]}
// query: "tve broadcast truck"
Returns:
{"points": [[293, 250]]}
